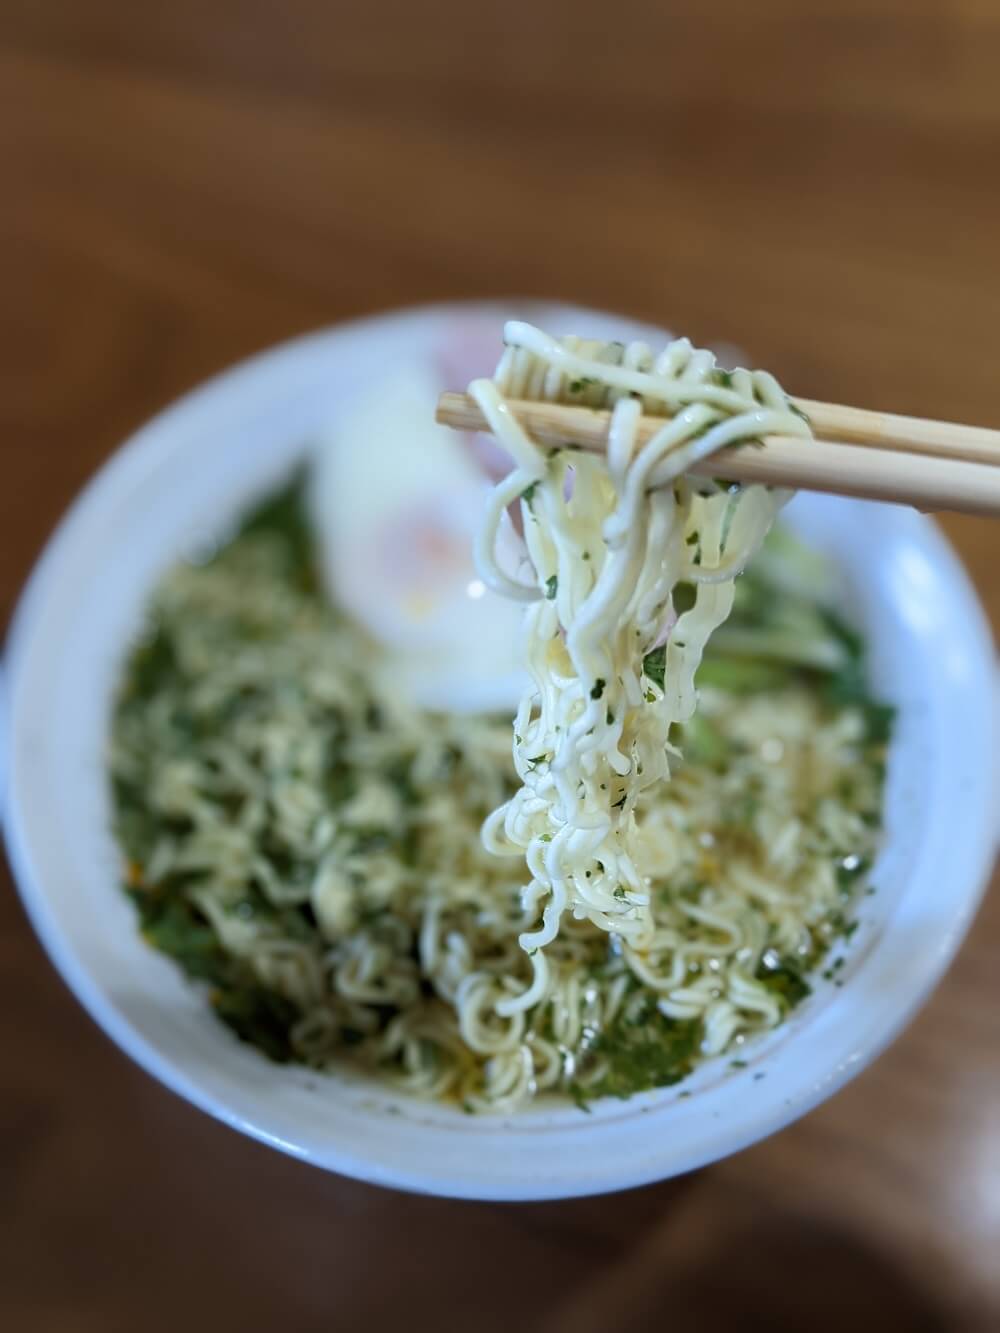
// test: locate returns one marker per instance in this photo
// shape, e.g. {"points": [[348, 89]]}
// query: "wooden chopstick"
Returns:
{"points": [[912, 435], [931, 465]]}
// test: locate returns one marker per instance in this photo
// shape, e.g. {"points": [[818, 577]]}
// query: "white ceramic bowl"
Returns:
{"points": [[184, 475]]}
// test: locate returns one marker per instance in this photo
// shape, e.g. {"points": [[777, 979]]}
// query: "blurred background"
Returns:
{"points": [[186, 183]]}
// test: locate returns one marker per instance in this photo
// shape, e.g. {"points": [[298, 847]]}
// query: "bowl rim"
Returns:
{"points": [[59, 946]]}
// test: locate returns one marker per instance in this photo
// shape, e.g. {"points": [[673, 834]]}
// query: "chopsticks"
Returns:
{"points": [[933, 465]]}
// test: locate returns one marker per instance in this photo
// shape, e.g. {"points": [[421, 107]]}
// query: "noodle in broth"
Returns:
{"points": [[653, 884]]}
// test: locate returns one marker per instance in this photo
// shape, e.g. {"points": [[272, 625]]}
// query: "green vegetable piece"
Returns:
{"points": [[655, 664], [785, 979], [652, 1052]]}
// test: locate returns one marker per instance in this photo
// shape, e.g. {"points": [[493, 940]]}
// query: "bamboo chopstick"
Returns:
{"points": [[913, 435], [929, 464]]}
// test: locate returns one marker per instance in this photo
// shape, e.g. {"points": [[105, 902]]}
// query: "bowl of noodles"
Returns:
{"points": [[517, 859]]}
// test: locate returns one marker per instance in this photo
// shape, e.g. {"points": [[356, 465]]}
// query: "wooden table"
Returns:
{"points": [[183, 184]]}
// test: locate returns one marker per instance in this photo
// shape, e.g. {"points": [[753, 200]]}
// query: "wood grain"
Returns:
{"points": [[184, 184]]}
